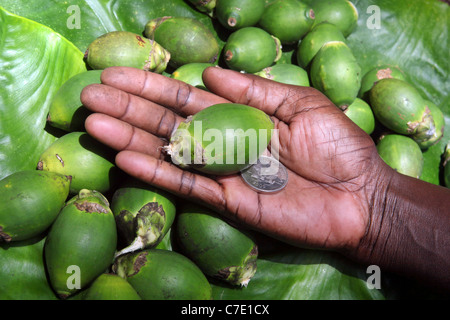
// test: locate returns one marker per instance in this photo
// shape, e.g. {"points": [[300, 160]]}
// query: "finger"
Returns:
{"points": [[276, 99], [137, 111], [120, 135], [167, 176], [178, 95]]}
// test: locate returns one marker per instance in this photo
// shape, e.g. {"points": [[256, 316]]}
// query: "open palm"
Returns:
{"points": [[329, 159]]}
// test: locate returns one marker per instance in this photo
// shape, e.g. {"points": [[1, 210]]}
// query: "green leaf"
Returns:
{"points": [[22, 271], [301, 274], [34, 62]]}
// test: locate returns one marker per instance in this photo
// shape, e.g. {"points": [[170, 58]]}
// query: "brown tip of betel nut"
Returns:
{"points": [[312, 15], [223, 274], [254, 251], [162, 19], [213, 59], [231, 21], [90, 207], [40, 165], [152, 207], [63, 296], [86, 53], [384, 73], [228, 55], [141, 41], [155, 23], [4, 237], [140, 261], [269, 76]]}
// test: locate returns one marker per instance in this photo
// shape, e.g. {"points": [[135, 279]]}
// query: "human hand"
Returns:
{"points": [[333, 165]]}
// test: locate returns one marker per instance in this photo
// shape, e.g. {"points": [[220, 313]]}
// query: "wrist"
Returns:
{"points": [[379, 208], [407, 230]]}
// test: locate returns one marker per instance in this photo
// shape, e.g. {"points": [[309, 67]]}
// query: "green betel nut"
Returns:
{"points": [[158, 274], [66, 110], [221, 139], [126, 49], [206, 6], [402, 154], [219, 249], [89, 163], [109, 286], [401, 108], [288, 20], [143, 214], [341, 13], [314, 40], [251, 49], [361, 114], [81, 243], [336, 73], [30, 202], [191, 73], [237, 14], [188, 40], [22, 271], [286, 73], [376, 74]]}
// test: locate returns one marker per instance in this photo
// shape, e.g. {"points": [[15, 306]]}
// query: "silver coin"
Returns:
{"points": [[266, 175]]}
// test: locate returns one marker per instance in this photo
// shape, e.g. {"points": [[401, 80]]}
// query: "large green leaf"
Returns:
{"points": [[22, 271], [413, 35], [298, 274], [34, 62]]}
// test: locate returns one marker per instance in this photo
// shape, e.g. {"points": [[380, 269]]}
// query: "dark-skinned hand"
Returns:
{"points": [[331, 161], [340, 194]]}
